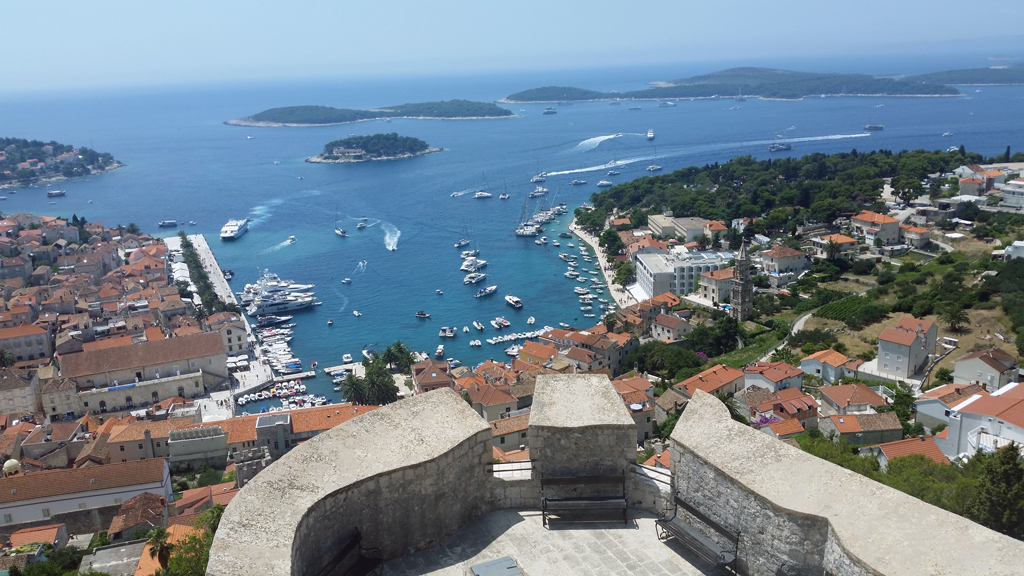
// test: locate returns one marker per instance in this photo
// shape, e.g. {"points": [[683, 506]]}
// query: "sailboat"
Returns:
{"points": [[654, 166], [338, 229]]}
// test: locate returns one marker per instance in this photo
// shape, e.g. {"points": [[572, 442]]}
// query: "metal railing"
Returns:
{"points": [[658, 475], [516, 470]]}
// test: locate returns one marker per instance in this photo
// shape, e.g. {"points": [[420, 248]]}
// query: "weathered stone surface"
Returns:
{"points": [[290, 518], [798, 514]]}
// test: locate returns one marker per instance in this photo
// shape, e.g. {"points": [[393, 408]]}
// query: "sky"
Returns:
{"points": [[69, 45]]}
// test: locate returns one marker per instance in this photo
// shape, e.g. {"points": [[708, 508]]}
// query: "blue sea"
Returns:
{"points": [[183, 163]]}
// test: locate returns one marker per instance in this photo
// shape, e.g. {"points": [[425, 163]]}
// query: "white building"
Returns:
{"points": [[933, 407], [783, 265], [1013, 193], [992, 368], [826, 364], [773, 376], [40, 495], [985, 423], [904, 350], [678, 271]]}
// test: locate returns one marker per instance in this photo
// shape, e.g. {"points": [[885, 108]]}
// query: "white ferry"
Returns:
{"points": [[234, 229], [168, 224]]}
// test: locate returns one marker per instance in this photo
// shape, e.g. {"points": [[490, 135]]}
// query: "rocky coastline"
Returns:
{"points": [[255, 124], [53, 179]]}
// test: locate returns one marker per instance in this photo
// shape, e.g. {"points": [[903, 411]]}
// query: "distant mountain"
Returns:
{"points": [[1011, 74], [323, 115], [763, 82]]}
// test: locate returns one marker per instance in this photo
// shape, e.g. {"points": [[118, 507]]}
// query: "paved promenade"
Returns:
{"points": [[618, 293]]}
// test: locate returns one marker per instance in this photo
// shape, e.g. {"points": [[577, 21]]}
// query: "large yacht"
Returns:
{"points": [[482, 194], [277, 304], [874, 127], [168, 224], [234, 228], [604, 184], [539, 178], [485, 292], [650, 134], [514, 301], [550, 110], [472, 264], [474, 277], [538, 191]]}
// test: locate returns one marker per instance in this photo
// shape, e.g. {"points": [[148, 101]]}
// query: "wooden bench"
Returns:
{"points": [[670, 524], [354, 555], [561, 505]]}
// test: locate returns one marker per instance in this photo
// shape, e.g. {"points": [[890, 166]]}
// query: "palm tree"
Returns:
{"points": [[955, 316], [380, 386], [734, 409], [6, 358], [353, 389], [404, 356], [160, 547], [389, 356], [831, 249]]}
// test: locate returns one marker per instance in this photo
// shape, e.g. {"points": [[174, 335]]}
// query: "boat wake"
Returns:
{"points": [[591, 143], [344, 300], [687, 150], [275, 247], [263, 212], [391, 235], [361, 267], [370, 222], [462, 192]]}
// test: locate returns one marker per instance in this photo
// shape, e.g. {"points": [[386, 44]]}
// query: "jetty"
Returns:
{"points": [[293, 377]]}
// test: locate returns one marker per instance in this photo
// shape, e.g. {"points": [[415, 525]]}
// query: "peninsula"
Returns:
{"points": [[325, 115], [766, 83], [32, 161], [376, 147]]}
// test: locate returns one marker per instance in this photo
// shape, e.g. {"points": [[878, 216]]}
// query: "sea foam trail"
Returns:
{"points": [[275, 247], [675, 152], [263, 212], [591, 143], [391, 234]]}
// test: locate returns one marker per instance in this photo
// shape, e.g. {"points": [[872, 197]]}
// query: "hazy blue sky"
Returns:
{"points": [[61, 44]]}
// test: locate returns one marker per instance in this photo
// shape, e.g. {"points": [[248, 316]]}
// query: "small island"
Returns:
{"points": [[373, 148], [326, 116], [766, 83], [32, 161]]}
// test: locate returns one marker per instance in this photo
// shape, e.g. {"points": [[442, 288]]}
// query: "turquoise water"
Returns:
{"points": [[183, 163]]}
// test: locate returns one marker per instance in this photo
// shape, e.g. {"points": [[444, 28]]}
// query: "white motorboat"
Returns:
{"points": [[481, 194], [613, 173], [470, 253], [346, 281], [486, 291], [604, 184], [347, 358], [234, 229], [291, 240], [361, 225], [503, 197], [653, 168], [513, 301], [538, 191], [440, 351], [472, 264], [538, 178], [531, 320], [474, 277], [356, 313], [578, 182], [650, 134], [478, 325]]}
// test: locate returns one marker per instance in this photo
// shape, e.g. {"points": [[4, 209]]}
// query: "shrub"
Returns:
{"points": [[886, 277]]}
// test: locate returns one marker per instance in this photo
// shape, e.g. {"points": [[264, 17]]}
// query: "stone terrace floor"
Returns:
{"points": [[566, 549]]}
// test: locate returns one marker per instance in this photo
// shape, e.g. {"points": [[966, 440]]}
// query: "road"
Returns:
{"points": [[797, 326]]}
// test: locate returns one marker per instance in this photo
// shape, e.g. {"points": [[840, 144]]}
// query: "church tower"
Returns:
{"points": [[742, 298]]}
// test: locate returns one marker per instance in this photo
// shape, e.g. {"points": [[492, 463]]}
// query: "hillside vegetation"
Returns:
{"points": [[315, 115], [1009, 75], [388, 145]]}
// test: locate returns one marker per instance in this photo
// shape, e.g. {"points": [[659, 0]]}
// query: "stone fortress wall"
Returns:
{"points": [[798, 514], [411, 473]]}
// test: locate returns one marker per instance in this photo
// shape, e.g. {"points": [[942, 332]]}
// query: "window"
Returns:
{"points": [[648, 418], [122, 448], [899, 358], [8, 518], [886, 355], [140, 446], [46, 512], [275, 445], [522, 434], [886, 367], [502, 440], [157, 444]]}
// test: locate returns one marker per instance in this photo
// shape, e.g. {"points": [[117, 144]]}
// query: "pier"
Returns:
{"points": [[296, 376]]}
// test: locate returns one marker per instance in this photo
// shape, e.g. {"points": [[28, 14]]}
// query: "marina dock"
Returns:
{"points": [[298, 376]]}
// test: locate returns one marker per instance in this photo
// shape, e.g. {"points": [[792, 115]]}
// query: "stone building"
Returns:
{"points": [[741, 305]]}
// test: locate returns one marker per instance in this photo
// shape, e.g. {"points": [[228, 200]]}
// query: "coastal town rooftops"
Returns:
{"points": [[1008, 409], [142, 354], [847, 394], [510, 425], [874, 218], [786, 427], [773, 371], [830, 357], [13, 380], [49, 483], [21, 331], [852, 423], [995, 358], [710, 380], [953, 394], [538, 350], [43, 534], [134, 431], [925, 445], [146, 509], [722, 274], [838, 238], [782, 252], [901, 337], [912, 324]]}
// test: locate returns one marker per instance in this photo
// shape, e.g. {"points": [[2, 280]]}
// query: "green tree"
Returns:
{"points": [[380, 385], [702, 241], [6, 358], [999, 501], [831, 249], [944, 375], [609, 321], [955, 317], [209, 519], [404, 358], [191, 555], [353, 389], [160, 546], [734, 410], [625, 273]]}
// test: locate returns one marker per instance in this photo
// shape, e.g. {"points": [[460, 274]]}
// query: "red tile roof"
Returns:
{"points": [[773, 371], [723, 274], [953, 394], [48, 483], [830, 357], [782, 252], [924, 445], [850, 423], [509, 425], [787, 427], [839, 238], [146, 509], [874, 218], [848, 394], [710, 380], [1009, 409], [901, 337], [664, 458], [47, 534]]}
